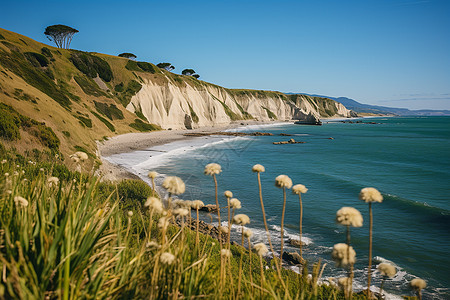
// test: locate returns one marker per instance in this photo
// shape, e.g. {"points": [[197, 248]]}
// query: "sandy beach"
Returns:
{"points": [[139, 141]]}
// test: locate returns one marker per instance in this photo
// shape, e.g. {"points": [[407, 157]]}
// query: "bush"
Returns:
{"points": [[89, 86], [119, 87], [8, 127], [141, 126], [132, 89], [47, 137], [91, 65], [106, 122], [45, 51], [147, 67], [36, 59], [131, 190], [110, 111], [84, 121]]}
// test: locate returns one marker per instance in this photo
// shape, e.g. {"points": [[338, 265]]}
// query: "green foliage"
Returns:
{"points": [[270, 114], [132, 66], [37, 77], [193, 114], [326, 107], [84, 121], [147, 67], [110, 111], [227, 109], [131, 190], [45, 51], [2, 37], [20, 95], [89, 86], [166, 66], [36, 59], [127, 55], [119, 87], [106, 122], [60, 34], [132, 89], [188, 72], [141, 126], [66, 133], [91, 65], [9, 124]]}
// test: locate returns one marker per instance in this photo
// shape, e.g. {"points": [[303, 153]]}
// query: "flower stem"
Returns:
{"points": [[370, 250]]}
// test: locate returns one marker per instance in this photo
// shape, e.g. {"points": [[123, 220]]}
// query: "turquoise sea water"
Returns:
{"points": [[407, 159]]}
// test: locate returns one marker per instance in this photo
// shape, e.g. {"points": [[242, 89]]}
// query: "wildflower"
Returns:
{"points": [[163, 222], [174, 185], [41, 169], [16, 173], [178, 203], [23, 172], [9, 192], [187, 204], [81, 155], [75, 158], [344, 283], [283, 181], [224, 230], [235, 203], [349, 216], [130, 213], [418, 284], [225, 253], [299, 189], [241, 219], [261, 249], [6, 174], [212, 169], [167, 258], [387, 270], [4, 161], [258, 168], [370, 194], [52, 181], [228, 194], [152, 174], [343, 255], [248, 233], [154, 204], [180, 212], [20, 201], [152, 244], [197, 204]]}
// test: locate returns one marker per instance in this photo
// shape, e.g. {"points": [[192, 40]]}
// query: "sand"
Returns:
{"points": [[139, 141]]}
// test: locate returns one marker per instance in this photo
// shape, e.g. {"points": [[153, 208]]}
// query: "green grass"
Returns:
{"points": [[193, 114], [88, 86], [106, 122], [84, 121], [109, 110], [270, 114], [132, 89], [91, 65], [143, 127]]}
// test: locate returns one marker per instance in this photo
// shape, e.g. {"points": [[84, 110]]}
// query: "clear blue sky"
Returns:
{"points": [[385, 52]]}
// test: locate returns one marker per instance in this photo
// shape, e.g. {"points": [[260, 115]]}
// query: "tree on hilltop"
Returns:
{"points": [[61, 35], [128, 55], [190, 72], [166, 66]]}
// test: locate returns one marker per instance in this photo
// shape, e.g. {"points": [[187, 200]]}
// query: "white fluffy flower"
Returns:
{"points": [[163, 222], [224, 229], [152, 174], [299, 189], [258, 168], [212, 169], [225, 253], [167, 258], [370, 194], [152, 244], [197, 204], [261, 249], [174, 185], [418, 284], [21, 201], [130, 213], [53, 181], [79, 155], [387, 269], [344, 283], [241, 219], [349, 216], [248, 233], [180, 212], [228, 194], [155, 204], [343, 255], [235, 203], [283, 181]]}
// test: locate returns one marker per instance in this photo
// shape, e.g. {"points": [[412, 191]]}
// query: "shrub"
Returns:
{"points": [[131, 190], [147, 67], [270, 114], [141, 126], [8, 127], [110, 111], [91, 65], [132, 89], [45, 51], [84, 121], [89, 86], [119, 87], [106, 122], [47, 137], [36, 59]]}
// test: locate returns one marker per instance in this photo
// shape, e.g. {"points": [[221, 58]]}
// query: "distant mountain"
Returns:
{"points": [[376, 109]]}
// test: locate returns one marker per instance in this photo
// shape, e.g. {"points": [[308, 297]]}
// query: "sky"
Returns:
{"points": [[382, 52]]}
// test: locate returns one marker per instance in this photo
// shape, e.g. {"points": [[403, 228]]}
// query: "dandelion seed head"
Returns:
{"points": [[283, 181], [163, 222], [174, 185], [155, 204], [387, 269], [130, 213], [152, 174], [370, 194], [418, 284], [20, 201], [6, 174], [212, 169], [349, 216], [343, 255], [258, 168], [225, 253], [241, 219], [180, 212], [228, 194], [261, 249], [248, 233], [197, 204], [41, 170], [167, 258], [235, 203], [152, 244], [52, 181], [299, 189]]}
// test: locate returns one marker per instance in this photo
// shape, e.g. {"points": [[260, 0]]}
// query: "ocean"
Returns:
{"points": [[406, 158]]}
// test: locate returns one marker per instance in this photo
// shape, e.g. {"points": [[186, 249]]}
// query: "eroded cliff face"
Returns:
{"points": [[191, 106]]}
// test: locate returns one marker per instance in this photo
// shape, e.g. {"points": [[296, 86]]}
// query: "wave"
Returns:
{"points": [[257, 127]]}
